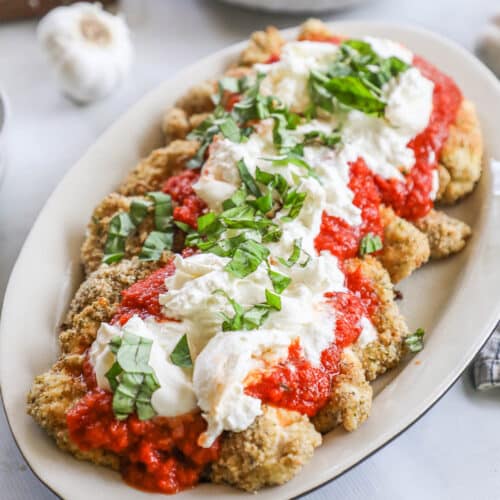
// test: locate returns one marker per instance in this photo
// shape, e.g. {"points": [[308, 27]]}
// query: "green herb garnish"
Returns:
{"points": [[415, 341], [354, 79], [369, 244], [181, 356], [131, 378], [120, 227]]}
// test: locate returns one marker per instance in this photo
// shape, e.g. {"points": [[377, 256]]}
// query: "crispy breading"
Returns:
{"points": [[97, 231], [351, 398], [405, 247], [52, 395], [270, 452], [446, 234], [175, 124], [97, 299], [314, 29], [198, 99], [262, 45], [197, 119], [239, 71], [461, 155], [152, 171], [385, 352]]}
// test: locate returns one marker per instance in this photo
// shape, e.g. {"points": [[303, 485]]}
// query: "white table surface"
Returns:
{"points": [[454, 450]]}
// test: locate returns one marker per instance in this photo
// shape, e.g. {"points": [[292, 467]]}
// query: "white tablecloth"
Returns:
{"points": [[453, 451]]}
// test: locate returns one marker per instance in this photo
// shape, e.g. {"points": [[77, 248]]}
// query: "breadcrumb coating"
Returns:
{"points": [[53, 393], [270, 452], [385, 352], [92, 250], [446, 234], [351, 398], [198, 99], [162, 163], [262, 45], [405, 247], [314, 29], [175, 124], [461, 156]]}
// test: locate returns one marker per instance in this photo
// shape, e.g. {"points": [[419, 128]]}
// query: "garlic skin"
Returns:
{"points": [[89, 48], [488, 47]]}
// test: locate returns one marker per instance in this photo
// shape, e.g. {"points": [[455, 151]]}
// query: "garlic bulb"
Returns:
{"points": [[89, 48], [488, 47]]}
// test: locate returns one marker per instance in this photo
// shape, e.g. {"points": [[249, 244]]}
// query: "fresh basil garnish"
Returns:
{"points": [[120, 227], [138, 211], [280, 281], [131, 378], [415, 341], [181, 355], [369, 244], [354, 79]]}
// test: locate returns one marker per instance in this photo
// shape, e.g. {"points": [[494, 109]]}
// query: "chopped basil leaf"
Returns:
{"points": [[316, 136], [247, 258], [183, 226], [369, 244], [354, 79], [273, 300], [230, 130], [294, 202], [247, 179], [205, 221], [264, 203], [138, 211], [181, 355], [120, 227], [294, 257], [415, 341], [131, 378], [250, 319], [163, 210], [280, 281], [156, 243]]}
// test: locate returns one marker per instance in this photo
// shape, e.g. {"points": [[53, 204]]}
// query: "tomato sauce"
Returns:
{"points": [[142, 297], [159, 455], [412, 199], [339, 237], [189, 205], [295, 383]]}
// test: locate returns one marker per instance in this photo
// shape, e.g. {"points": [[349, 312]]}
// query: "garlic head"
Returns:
{"points": [[89, 48]]}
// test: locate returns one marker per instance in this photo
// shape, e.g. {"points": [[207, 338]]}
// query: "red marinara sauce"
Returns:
{"points": [[295, 383], [336, 235], [189, 205], [411, 199], [159, 455], [142, 297]]}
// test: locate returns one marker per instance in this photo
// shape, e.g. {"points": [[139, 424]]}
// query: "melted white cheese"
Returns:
{"points": [[175, 395], [287, 78], [195, 300], [388, 48]]}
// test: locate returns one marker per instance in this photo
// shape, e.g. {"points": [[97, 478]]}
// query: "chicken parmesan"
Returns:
{"points": [[239, 291]]}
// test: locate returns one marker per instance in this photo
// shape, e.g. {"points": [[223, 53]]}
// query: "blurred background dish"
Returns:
{"points": [[3, 142], [295, 6]]}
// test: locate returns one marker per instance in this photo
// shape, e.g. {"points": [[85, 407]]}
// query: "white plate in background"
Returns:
{"points": [[456, 300]]}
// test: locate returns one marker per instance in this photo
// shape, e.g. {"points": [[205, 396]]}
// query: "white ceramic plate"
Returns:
{"points": [[455, 300]]}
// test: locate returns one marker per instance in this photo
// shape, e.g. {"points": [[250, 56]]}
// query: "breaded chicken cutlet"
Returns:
{"points": [[280, 440]]}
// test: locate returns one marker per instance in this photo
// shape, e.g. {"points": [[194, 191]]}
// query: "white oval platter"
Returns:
{"points": [[456, 300]]}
